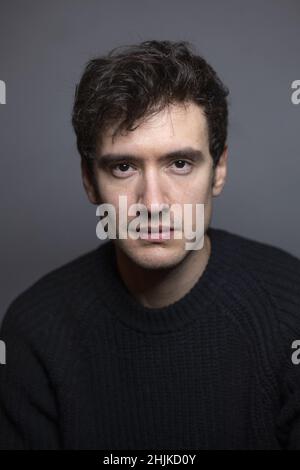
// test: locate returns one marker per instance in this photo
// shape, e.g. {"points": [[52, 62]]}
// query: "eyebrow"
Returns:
{"points": [[188, 152]]}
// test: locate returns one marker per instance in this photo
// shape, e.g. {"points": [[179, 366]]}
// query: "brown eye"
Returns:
{"points": [[123, 166], [180, 163], [122, 170], [182, 166]]}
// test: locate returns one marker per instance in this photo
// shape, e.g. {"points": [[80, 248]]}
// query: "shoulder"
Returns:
{"points": [[57, 299], [277, 269], [269, 264], [271, 272]]}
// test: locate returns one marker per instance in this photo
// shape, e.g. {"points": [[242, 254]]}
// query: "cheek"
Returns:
{"points": [[197, 194], [111, 195], [198, 189], [110, 189]]}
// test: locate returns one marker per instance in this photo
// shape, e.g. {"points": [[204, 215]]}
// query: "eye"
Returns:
{"points": [[121, 170], [182, 166]]}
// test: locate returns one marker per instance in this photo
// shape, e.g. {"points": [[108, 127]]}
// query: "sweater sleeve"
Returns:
{"points": [[28, 412]]}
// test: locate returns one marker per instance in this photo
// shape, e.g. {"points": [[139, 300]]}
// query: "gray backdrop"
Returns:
{"points": [[46, 219]]}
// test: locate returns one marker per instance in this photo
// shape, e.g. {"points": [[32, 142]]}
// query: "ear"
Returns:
{"points": [[89, 183], [220, 173]]}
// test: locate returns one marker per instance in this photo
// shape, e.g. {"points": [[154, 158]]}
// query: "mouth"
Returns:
{"points": [[156, 234], [159, 229]]}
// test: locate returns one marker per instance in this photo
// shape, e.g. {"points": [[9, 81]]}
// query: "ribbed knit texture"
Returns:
{"points": [[89, 367]]}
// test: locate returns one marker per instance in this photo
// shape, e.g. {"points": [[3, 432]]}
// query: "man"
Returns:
{"points": [[141, 343]]}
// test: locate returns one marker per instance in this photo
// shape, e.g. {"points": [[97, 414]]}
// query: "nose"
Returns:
{"points": [[153, 192]]}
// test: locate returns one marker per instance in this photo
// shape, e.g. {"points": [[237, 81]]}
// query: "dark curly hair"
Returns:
{"points": [[133, 82]]}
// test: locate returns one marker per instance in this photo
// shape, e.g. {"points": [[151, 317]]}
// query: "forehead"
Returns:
{"points": [[174, 127]]}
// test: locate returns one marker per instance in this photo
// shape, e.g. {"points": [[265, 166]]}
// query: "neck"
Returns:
{"points": [[159, 288]]}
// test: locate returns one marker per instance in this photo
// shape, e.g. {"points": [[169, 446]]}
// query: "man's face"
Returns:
{"points": [[153, 177]]}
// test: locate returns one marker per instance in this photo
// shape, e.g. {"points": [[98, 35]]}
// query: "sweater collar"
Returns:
{"points": [[197, 301]]}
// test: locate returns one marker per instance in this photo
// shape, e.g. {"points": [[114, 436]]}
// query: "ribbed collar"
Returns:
{"points": [[197, 301]]}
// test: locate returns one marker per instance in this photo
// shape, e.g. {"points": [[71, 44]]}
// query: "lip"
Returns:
{"points": [[159, 229], [164, 233]]}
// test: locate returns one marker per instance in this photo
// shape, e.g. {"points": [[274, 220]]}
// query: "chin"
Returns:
{"points": [[155, 256]]}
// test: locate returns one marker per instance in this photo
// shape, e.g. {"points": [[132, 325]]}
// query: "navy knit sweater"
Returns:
{"points": [[89, 367]]}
